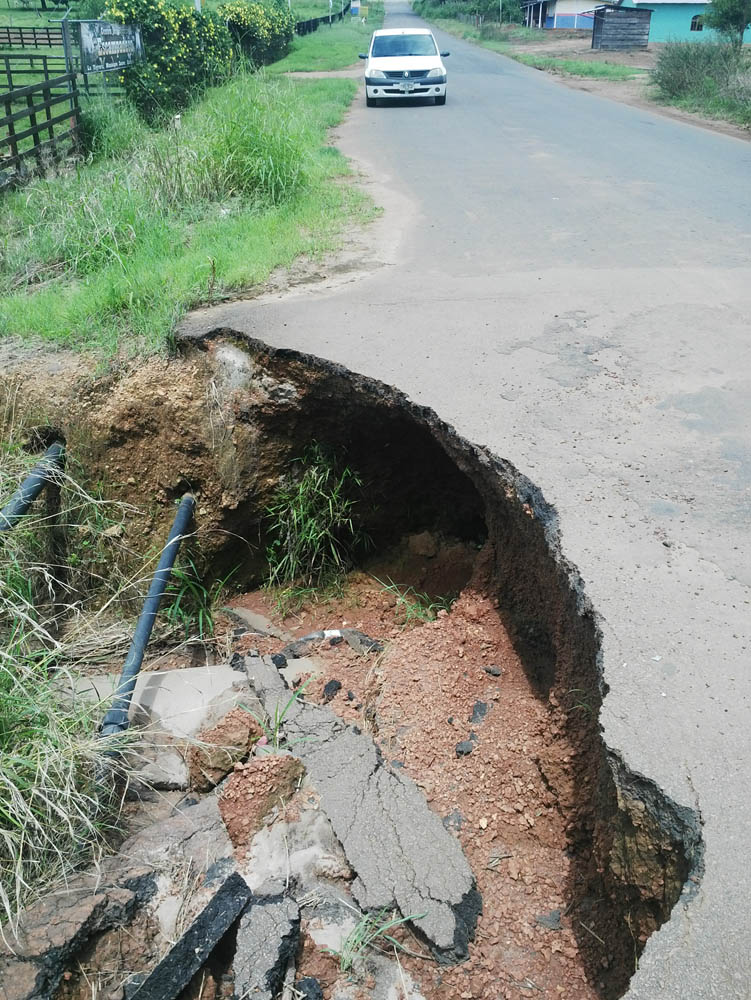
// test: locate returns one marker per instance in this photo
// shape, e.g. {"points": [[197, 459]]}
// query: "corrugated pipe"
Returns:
{"points": [[40, 476], [116, 719]]}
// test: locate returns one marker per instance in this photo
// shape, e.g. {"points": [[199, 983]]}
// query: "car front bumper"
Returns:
{"points": [[399, 90]]}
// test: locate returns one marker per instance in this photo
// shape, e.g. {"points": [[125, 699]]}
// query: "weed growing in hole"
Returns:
{"points": [[412, 606], [311, 523], [191, 603], [369, 932], [272, 725]]}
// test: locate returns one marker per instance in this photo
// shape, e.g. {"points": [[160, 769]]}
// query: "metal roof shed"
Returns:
{"points": [[618, 28]]}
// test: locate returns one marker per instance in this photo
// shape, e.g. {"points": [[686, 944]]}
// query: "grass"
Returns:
{"points": [[110, 256], [311, 523], [412, 606], [577, 67], [70, 587], [331, 48], [370, 932], [52, 813], [273, 725]]}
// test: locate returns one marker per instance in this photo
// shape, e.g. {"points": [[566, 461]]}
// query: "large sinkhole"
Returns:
{"points": [[490, 708]]}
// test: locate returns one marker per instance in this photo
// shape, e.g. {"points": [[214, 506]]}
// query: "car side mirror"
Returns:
{"points": [[362, 55], [444, 54]]}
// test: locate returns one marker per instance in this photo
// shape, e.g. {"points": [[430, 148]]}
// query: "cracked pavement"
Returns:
{"points": [[566, 280], [398, 847]]}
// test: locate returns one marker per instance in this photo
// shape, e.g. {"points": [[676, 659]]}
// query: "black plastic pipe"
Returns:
{"points": [[116, 719], [40, 476]]}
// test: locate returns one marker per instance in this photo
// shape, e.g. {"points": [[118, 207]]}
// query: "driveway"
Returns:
{"points": [[567, 281]]}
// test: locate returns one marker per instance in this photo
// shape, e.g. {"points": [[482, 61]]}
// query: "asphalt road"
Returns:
{"points": [[567, 281]]}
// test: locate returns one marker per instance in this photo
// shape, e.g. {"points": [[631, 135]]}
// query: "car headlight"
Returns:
{"points": [[376, 74], [438, 71]]}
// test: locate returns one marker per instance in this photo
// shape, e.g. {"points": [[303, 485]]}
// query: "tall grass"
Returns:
{"points": [[53, 813], [711, 77], [160, 221]]}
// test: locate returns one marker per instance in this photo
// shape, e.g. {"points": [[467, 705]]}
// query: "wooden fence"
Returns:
{"points": [[313, 23], [30, 38], [43, 129], [23, 69]]}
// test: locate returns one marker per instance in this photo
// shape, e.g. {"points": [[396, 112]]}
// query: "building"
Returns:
{"points": [[672, 20], [677, 22]]}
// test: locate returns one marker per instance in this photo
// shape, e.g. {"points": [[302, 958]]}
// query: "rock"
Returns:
{"points": [[224, 746], [360, 642], [493, 670], [167, 772], [464, 748], [179, 965], [279, 660], [453, 821], [423, 545], [257, 622], [309, 988], [267, 940], [418, 865], [330, 690], [550, 920], [479, 711]]}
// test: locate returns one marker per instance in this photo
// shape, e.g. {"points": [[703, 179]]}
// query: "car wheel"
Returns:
{"points": [[441, 99], [370, 102]]}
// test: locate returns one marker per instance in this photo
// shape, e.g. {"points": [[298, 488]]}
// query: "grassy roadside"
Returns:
{"points": [[108, 257], [509, 41], [331, 48]]}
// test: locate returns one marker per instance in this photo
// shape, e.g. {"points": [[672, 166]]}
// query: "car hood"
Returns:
{"points": [[405, 62]]}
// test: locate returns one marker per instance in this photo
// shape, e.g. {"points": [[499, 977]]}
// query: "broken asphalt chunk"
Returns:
{"points": [[267, 940], [181, 963]]}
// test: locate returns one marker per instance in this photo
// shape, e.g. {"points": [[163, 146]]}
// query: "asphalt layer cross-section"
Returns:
{"points": [[567, 280]]}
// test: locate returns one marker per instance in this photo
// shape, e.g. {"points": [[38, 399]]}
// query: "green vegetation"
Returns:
{"points": [[312, 527], [412, 606], [432, 10], [731, 18], [371, 931], [331, 48], [577, 67], [186, 51], [712, 78], [52, 815], [188, 603], [89, 258], [262, 32], [272, 726]]}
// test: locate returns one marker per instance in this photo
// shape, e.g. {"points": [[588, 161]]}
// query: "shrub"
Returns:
{"points": [[688, 67], [262, 32], [185, 51]]}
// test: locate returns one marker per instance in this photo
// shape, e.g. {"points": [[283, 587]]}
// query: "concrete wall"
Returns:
{"points": [[672, 22]]}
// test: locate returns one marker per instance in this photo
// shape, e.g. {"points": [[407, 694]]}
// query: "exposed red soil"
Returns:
{"points": [[252, 792]]}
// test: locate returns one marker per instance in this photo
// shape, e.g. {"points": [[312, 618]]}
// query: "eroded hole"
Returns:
{"points": [[486, 694]]}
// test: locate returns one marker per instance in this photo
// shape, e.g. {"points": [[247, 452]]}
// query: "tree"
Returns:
{"points": [[730, 18]]}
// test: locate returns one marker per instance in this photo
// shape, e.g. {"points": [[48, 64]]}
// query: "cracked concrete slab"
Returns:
{"points": [[398, 847]]}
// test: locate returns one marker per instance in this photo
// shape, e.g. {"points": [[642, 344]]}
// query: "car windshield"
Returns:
{"points": [[403, 45]]}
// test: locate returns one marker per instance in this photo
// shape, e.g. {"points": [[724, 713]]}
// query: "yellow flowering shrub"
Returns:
{"points": [[185, 51], [263, 31]]}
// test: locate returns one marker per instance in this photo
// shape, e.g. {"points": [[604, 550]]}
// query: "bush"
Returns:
{"points": [[690, 67], [487, 9], [186, 51], [262, 32]]}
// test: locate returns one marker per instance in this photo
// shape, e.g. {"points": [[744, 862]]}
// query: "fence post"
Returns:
{"points": [[11, 132], [33, 120]]}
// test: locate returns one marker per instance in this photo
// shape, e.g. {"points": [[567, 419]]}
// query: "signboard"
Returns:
{"points": [[106, 46], [355, 9]]}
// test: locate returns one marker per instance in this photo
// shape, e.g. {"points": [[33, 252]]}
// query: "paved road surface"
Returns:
{"points": [[567, 280]]}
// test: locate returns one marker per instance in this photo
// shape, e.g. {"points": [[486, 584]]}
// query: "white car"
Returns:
{"points": [[404, 62]]}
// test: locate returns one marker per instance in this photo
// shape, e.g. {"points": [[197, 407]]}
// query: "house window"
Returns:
{"points": [[697, 22]]}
